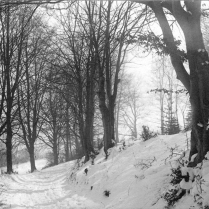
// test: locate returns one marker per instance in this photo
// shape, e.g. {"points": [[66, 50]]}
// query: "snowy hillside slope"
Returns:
{"points": [[134, 178]]}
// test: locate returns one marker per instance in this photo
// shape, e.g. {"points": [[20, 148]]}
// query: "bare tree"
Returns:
{"points": [[167, 93], [78, 66], [13, 22], [31, 89], [109, 35], [131, 103], [52, 115]]}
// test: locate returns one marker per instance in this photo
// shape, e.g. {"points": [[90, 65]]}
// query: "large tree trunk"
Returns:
{"points": [[67, 153], [9, 149], [9, 125], [81, 124], [32, 157], [55, 147], [55, 154], [199, 77], [199, 98], [78, 151], [107, 117], [68, 140], [88, 140], [9, 99], [117, 122], [108, 124]]}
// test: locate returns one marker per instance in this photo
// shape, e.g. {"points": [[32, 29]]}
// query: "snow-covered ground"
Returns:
{"points": [[135, 177]]}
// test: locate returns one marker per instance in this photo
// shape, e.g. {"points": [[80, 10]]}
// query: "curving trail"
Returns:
{"points": [[46, 189]]}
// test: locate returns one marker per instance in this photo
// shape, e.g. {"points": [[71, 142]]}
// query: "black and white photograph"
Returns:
{"points": [[104, 104]]}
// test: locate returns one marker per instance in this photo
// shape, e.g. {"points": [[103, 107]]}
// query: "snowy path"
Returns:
{"points": [[44, 189]]}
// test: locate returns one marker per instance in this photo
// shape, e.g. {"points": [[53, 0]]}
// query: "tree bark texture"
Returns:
{"points": [[68, 139], [55, 153], [9, 149], [107, 116], [89, 119], [9, 99], [32, 157]]}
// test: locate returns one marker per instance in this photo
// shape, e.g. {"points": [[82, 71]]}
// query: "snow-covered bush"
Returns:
{"points": [[182, 178], [123, 146], [107, 193], [147, 134], [92, 157], [176, 175], [190, 180], [175, 193]]}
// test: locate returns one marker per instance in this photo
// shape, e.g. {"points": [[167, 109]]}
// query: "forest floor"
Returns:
{"points": [[133, 177]]}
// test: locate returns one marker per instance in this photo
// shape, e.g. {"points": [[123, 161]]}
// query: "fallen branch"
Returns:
{"points": [[145, 163]]}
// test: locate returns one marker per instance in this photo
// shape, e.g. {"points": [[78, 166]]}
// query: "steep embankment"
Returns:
{"points": [[134, 178]]}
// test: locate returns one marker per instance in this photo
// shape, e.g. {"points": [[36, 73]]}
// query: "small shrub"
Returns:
{"points": [[176, 175], [107, 193], [92, 157], [173, 195], [147, 134], [86, 171], [123, 147], [176, 193]]}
